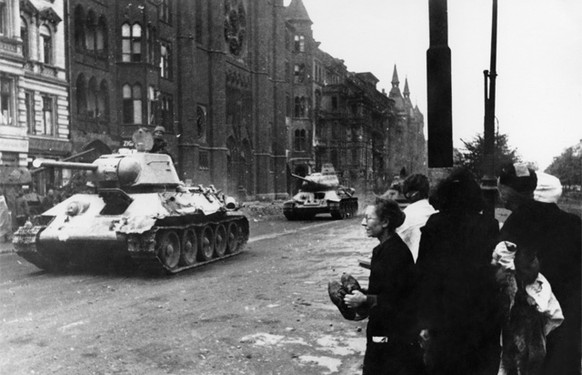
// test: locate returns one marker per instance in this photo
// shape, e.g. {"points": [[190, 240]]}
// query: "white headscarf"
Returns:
{"points": [[548, 189]]}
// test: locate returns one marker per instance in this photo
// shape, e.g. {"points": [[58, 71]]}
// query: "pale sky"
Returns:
{"points": [[539, 62]]}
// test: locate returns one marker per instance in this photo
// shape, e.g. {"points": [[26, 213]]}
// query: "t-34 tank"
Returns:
{"points": [[321, 193], [140, 210]]}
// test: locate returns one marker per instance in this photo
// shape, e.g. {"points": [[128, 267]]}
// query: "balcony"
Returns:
{"points": [[10, 46]]}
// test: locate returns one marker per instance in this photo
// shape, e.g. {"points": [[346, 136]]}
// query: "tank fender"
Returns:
{"points": [[332, 196], [177, 203], [134, 224]]}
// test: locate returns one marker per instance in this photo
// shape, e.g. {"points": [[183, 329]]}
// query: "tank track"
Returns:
{"points": [[348, 208], [25, 240], [150, 250], [176, 248]]}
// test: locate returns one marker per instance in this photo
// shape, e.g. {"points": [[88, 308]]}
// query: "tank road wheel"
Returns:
{"points": [[340, 213], [189, 247], [343, 210], [232, 238], [350, 209], [206, 243], [220, 240], [169, 249]]}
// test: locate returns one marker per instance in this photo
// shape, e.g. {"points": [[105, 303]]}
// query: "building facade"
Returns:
{"points": [[243, 90], [340, 117], [34, 95]]}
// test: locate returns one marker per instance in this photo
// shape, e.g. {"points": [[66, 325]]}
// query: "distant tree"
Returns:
{"points": [[472, 156], [567, 167]]}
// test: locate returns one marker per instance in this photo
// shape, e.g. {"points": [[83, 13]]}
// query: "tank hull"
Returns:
{"points": [[306, 204], [166, 231]]}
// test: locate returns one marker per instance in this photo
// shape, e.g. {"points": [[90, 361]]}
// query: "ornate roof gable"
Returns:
{"points": [[28, 7], [44, 13], [50, 15]]}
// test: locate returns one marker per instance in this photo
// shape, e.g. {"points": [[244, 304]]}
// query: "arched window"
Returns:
{"points": [[299, 73], [201, 122], [300, 106], [297, 112], [81, 95], [79, 28], [151, 40], [300, 140], [92, 98], [167, 111], [91, 31], [7, 100], [165, 11], [101, 35], [46, 45], [299, 45], [166, 60], [103, 100], [48, 115], [132, 104], [131, 42], [24, 36], [151, 105], [4, 18]]}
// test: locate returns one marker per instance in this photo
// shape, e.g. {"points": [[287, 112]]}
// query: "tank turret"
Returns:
{"points": [[129, 170], [318, 181], [321, 192], [140, 211]]}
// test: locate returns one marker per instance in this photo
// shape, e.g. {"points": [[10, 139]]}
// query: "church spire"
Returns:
{"points": [[395, 93], [395, 81], [406, 91]]}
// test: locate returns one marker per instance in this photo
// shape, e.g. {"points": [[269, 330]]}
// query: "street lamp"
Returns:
{"points": [[488, 181]]}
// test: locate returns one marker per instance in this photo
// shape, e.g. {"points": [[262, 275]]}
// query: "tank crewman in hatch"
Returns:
{"points": [[160, 143]]}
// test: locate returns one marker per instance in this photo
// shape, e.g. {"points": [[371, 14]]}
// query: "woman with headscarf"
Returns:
{"points": [[459, 312], [391, 337], [416, 190]]}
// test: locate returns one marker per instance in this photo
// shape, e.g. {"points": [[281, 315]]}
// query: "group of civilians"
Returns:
{"points": [[453, 292]]}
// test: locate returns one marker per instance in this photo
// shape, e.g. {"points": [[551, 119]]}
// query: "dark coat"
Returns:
{"points": [[392, 280], [458, 294], [160, 147], [554, 236]]}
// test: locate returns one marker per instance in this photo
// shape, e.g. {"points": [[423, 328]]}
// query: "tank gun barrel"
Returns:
{"points": [[37, 163]]}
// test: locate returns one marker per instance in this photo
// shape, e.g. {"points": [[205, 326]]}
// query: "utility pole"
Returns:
{"points": [[439, 90], [488, 181]]}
